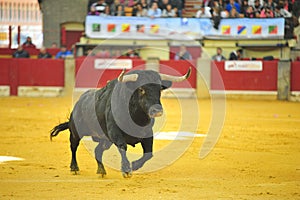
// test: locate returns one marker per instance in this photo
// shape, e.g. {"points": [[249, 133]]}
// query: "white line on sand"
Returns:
{"points": [[9, 158]]}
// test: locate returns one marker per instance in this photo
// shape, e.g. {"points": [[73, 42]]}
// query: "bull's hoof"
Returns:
{"points": [[101, 170], [75, 172], [101, 173], [127, 174], [74, 169]]}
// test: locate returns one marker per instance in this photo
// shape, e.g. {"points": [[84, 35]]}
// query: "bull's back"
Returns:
{"points": [[84, 114]]}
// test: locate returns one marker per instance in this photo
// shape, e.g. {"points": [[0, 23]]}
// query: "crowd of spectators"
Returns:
{"points": [[209, 8], [249, 9], [139, 8]]}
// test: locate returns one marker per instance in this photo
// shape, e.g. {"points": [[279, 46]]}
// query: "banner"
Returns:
{"points": [[181, 28], [113, 64], [243, 65]]}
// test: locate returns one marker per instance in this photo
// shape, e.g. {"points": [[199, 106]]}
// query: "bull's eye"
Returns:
{"points": [[142, 91]]}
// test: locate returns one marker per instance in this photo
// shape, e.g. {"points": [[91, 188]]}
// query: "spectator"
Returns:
{"points": [[20, 53], [154, 11], [114, 7], [100, 7], [232, 4], [44, 54], [28, 43], [257, 7], [287, 5], [266, 12], [271, 4], [208, 3], [90, 3], [93, 11], [219, 57], [236, 55], [216, 14], [220, 3], [103, 53], [128, 3], [204, 12], [106, 13], [117, 53], [183, 54], [233, 13], [109, 2], [178, 6], [54, 45], [63, 53], [132, 53], [139, 11], [120, 10], [150, 2], [244, 7], [224, 13], [250, 13], [281, 12], [164, 4], [217, 8], [144, 4], [296, 9], [168, 11]]}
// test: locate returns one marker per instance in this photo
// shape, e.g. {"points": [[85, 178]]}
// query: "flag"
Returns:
{"points": [[273, 29], [241, 30], [226, 29], [96, 27], [125, 27], [111, 28], [256, 30], [154, 29], [140, 28]]}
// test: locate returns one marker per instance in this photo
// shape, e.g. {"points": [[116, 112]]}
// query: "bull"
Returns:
{"points": [[121, 113]]}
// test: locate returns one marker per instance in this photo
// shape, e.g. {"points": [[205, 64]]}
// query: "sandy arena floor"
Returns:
{"points": [[256, 157]]}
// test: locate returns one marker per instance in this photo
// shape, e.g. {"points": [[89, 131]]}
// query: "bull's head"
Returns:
{"points": [[147, 86]]}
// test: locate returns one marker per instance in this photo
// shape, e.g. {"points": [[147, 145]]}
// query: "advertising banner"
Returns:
{"points": [[113, 63], [181, 28], [243, 65]]}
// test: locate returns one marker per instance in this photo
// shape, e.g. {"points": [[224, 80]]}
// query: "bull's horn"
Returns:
{"points": [[176, 78], [125, 78]]}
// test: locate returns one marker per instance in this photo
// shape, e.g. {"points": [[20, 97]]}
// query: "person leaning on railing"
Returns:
{"points": [[154, 11], [63, 53], [44, 54], [139, 11], [20, 53], [168, 11]]}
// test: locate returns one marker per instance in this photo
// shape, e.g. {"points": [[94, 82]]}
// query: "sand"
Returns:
{"points": [[256, 157]]}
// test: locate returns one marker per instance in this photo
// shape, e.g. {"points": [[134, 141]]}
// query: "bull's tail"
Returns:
{"points": [[61, 127]]}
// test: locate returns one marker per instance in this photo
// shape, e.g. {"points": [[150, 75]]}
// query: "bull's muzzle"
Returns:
{"points": [[155, 111]]}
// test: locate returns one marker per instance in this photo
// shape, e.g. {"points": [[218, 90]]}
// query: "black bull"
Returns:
{"points": [[121, 113]]}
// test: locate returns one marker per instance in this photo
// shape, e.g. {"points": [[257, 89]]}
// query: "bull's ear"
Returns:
{"points": [[165, 84]]}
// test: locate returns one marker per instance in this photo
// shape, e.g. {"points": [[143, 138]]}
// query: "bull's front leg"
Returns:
{"points": [[147, 144], [125, 164]]}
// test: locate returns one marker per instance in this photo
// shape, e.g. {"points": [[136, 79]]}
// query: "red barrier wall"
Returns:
{"points": [[31, 72], [89, 77], [295, 76], [178, 68], [265, 80]]}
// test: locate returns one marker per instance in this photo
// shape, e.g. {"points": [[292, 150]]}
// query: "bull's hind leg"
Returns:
{"points": [[103, 145], [74, 140]]}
